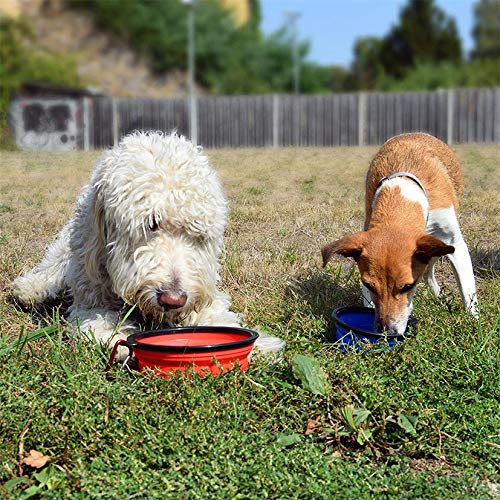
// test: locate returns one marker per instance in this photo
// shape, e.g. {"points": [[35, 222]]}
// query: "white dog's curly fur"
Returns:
{"points": [[148, 230]]}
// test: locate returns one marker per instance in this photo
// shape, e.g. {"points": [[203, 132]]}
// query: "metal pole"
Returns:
{"points": [[193, 114], [296, 65], [292, 18]]}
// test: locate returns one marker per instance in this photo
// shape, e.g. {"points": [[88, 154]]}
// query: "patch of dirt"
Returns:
{"points": [[103, 60], [430, 464]]}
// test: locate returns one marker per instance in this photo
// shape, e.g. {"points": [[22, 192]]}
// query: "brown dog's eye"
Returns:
{"points": [[370, 287], [407, 288]]}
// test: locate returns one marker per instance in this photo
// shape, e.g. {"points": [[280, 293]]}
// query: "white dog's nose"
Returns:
{"points": [[172, 300]]}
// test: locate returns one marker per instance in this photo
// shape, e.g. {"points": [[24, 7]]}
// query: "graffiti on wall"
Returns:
{"points": [[45, 124]]}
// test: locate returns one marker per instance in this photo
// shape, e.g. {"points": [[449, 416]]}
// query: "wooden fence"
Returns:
{"points": [[455, 116]]}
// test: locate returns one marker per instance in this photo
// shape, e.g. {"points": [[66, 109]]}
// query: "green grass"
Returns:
{"points": [[420, 421]]}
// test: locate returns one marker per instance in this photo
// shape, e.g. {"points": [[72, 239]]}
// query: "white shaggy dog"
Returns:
{"points": [[148, 230]]}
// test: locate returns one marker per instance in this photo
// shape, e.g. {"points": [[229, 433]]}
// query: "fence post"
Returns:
{"points": [[496, 115], [361, 118], [115, 121], [276, 116], [193, 119], [86, 123], [449, 115]]}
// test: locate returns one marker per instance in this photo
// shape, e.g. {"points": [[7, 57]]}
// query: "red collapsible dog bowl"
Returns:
{"points": [[207, 349]]}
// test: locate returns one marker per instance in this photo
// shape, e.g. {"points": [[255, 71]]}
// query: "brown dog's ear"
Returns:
{"points": [[348, 246], [428, 247]]}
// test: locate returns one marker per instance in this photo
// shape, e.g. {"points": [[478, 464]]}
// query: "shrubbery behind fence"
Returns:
{"points": [[455, 116]]}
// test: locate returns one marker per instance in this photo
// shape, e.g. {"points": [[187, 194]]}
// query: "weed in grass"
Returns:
{"points": [[34, 201], [5, 209], [255, 190], [308, 185], [290, 256], [234, 265]]}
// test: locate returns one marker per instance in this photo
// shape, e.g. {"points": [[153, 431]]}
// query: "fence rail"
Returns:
{"points": [[455, 116]]}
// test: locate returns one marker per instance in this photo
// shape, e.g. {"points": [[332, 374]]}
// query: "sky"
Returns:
{"points": [[332, 26]]}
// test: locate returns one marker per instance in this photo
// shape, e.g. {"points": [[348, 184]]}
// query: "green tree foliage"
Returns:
{"points": [[12, 57], [341, 79], [367, 67], [255, 15], [486, 31], [423, 51], [229, 59], [430, 76], [424, 34], [20, 61]]}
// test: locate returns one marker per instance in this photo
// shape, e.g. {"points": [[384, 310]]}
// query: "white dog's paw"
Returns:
{"points": [[28, 291], [122, 352], [102, 326], [22, 291], [472, 307], [268, 345]]}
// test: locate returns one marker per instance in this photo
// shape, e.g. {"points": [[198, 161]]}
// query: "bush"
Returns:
{"points": [[428, 76]]}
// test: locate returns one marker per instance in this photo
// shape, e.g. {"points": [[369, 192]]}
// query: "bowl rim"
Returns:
{"points": [[134, 343], [354, 309]]}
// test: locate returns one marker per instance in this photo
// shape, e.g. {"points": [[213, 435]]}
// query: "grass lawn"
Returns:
{"points": [[420, 421]]}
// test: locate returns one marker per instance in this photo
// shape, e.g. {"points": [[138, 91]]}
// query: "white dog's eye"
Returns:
{"points": [[153, 223]]}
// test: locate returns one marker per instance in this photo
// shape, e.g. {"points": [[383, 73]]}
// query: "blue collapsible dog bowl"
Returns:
{"points": [[355, 329]]}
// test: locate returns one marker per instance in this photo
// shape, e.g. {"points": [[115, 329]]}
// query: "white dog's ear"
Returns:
{"points": [[95, 246]]}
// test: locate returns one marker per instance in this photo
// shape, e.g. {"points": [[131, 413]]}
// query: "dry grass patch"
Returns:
{"points": [[285, 204]]}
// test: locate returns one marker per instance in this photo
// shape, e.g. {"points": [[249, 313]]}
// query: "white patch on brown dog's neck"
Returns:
{"points": [[409, 189]]}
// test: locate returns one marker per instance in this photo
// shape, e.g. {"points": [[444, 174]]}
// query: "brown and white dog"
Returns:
{"points": [[412, 190]]}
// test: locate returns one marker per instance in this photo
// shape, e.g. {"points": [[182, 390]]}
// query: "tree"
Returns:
{"points": [[340, 79], [486, 31], [367, 66], [255, 15], [424, 34]]}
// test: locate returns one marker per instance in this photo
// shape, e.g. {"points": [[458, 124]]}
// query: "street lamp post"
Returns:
{"points": [[193, 115], [292, 17]]}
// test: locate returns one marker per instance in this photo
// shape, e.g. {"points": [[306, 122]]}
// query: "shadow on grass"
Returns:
{"points": [[54, 311], [46, 312], [486, 262], [324, 290]]}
